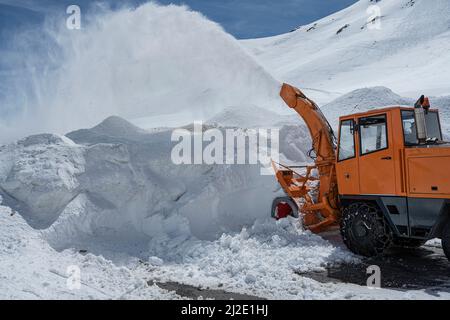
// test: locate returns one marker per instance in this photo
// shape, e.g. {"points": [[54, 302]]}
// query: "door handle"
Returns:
{"points": [[386, 158]]}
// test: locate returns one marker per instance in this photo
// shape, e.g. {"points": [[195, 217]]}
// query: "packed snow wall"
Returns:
{"points": [[117, 183]]}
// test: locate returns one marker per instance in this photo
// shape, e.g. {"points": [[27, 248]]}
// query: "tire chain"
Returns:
{"points": [[380, 238]]}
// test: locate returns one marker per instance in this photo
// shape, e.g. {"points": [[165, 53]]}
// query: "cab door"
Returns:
{"points": [[347, 164], [376, 155]]}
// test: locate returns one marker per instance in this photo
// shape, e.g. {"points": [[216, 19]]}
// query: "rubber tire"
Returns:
{"points": [[359, 220], [446, 240], [409, 243]]}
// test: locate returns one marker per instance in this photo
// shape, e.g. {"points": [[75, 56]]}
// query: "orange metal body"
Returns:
{"points": [[323, 213], [420, 171], [414, 172]]}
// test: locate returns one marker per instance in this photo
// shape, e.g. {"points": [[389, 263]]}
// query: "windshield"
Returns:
{"points": [[409, 126]]}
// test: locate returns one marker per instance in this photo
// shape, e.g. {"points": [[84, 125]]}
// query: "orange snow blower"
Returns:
{"points": [[384, 181]]}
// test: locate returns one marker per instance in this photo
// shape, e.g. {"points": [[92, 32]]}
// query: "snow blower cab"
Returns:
{"points": [[386, 180]]}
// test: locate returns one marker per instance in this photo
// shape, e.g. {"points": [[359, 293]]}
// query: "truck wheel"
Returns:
{"points": [[446, 240], [364, 229]]}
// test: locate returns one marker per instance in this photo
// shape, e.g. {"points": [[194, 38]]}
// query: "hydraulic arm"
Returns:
{"points": [[317, 203]]}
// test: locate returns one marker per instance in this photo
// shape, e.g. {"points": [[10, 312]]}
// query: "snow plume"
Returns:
{"points": [[149, 61]]}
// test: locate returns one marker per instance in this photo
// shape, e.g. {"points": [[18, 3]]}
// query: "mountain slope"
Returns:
{"points": [[408, 53]]}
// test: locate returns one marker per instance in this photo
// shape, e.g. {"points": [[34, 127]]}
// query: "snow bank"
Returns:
{"points": [[365, 99], [265, 260], [39, 175], [112, 190], [149, 61], [362, 100], [117, 182], [443, 104], [31, 269], [261, 260]]}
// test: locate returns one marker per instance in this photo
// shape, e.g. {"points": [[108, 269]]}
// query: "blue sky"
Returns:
{"points": [[241, 18]]}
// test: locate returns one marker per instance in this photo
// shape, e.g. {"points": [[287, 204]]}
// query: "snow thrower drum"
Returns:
{"points": [[283, 207]]}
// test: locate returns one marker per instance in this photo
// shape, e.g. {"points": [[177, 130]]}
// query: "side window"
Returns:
{"points": [[409, 127], [346, 140], [373, 134]]}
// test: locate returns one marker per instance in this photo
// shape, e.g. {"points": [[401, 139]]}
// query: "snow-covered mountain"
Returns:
{"points": [[400, 44]]}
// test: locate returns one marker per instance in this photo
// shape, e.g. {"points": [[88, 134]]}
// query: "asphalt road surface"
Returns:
{"points": [[192, 292], [425, 268]]}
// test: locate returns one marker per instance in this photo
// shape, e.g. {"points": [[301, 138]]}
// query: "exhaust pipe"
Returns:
{"points": [[420, 109]]}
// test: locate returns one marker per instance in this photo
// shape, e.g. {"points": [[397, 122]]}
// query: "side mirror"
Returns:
{"points": [[420, 108]]}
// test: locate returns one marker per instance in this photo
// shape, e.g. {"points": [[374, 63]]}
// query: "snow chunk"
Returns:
{"points": [[155, 261], [31, 269], [42, 176]]}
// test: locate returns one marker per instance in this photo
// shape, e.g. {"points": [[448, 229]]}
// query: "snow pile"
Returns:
{"points": [[365, 99], [401, 44], [443, 104], [265, 260], [362, 100], [31, 269], [112, 190], [260, 260], [39, 172], [149, 61], [119, 183]]}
